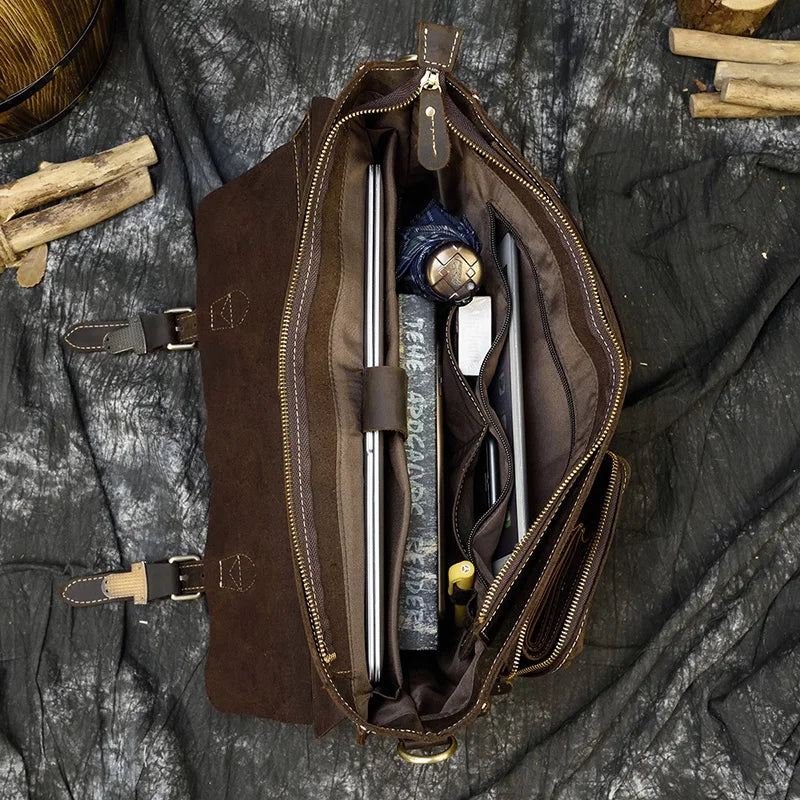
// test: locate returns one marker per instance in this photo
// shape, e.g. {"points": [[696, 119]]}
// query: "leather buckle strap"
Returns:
{"points": [[178, 578], [172, 329]]}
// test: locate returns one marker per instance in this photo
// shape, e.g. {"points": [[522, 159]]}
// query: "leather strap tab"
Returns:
{"points": [[177, 578], [438, 45], [140, 334], [383, 405]]}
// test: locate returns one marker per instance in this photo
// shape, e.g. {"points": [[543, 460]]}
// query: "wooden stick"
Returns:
{"points": [[54, 181], [751, 93], [708, 105], [80, 212], [773, 74], [701, 44], [736, 17]]}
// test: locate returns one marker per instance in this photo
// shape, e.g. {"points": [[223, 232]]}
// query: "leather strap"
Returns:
{"points": [[438, 45], [174, 329], [180, 578], [383, 405]]}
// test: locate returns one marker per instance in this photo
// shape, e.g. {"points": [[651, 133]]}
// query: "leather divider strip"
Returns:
{"points": [[384, 399]]}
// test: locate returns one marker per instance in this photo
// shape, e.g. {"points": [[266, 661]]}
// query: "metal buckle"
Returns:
{"points": [[180, 346], [182, 559]]}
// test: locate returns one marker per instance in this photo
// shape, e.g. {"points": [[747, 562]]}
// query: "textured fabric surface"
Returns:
{"points": [[688, 683]]}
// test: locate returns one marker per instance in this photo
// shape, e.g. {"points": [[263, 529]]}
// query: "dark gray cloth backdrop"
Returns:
{"points": [[688, 686]]}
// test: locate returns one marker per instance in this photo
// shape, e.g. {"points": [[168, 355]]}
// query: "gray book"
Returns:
{"points": [[418, 607]]}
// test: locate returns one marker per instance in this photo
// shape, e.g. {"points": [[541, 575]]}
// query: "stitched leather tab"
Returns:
{"points": [[383, 406], [438, 45], [160, 579], [88, 337], [140, 334]]}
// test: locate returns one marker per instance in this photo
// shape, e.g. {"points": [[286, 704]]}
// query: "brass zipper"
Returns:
{"points": [[562, 639], [325, 653], [520, 546]]}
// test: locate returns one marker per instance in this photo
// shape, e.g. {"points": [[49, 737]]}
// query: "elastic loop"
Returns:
{"points": [[432, 758]]}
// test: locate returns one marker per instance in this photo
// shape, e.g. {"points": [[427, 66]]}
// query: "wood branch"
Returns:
{"points": [[55, 181], [761, 95], [31, 267], [79, 212], [709, 105], [736, 17], [701, 44], [773, 74]]}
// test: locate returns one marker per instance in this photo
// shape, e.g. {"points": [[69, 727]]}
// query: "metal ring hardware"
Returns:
{"points": [[186, 345], [179, 559], [432, 758]]}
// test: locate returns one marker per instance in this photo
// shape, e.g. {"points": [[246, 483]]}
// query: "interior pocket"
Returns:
{"points": [[397, 489], [551, 636], [478, 530]]}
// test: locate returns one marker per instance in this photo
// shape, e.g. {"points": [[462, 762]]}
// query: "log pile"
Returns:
{"points": [[61, 199], [754, 77]]}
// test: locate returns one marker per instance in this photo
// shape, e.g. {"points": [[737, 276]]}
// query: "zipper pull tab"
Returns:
{"points": [[433, 142]]}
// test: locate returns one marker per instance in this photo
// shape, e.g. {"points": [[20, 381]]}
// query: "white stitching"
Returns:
{"points": [[227, 302], [452, 50], [449, 63], [94, 578], [337, 399], [238, 582], [296, 174], [112, 326], [296, 402], [308, 147], [478, 442], [460, 375]]}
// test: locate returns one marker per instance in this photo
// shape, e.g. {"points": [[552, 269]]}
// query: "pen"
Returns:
{"points": [[460, 578]]}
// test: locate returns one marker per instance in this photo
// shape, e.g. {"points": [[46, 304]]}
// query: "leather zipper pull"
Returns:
{"points": [[433, 141]]}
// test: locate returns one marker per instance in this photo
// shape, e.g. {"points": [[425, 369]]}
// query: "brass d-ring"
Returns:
{"points": [[433, 758]]}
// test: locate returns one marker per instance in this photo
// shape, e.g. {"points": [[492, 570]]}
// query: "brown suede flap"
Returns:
{"points": [[384, 400], [258, 660]]}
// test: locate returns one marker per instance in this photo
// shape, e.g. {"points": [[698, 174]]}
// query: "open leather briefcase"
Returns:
{"points": [[279, 325]]}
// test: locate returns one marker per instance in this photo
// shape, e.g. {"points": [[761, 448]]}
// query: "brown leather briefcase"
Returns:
{"points": [[279, 323]]}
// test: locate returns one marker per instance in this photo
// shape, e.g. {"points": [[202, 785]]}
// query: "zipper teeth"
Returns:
{"points": [[493, 588], [316, 622], [562, 638]]}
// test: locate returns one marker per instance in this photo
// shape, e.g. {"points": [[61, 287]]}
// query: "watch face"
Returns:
{"points": [[454, 273]]}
